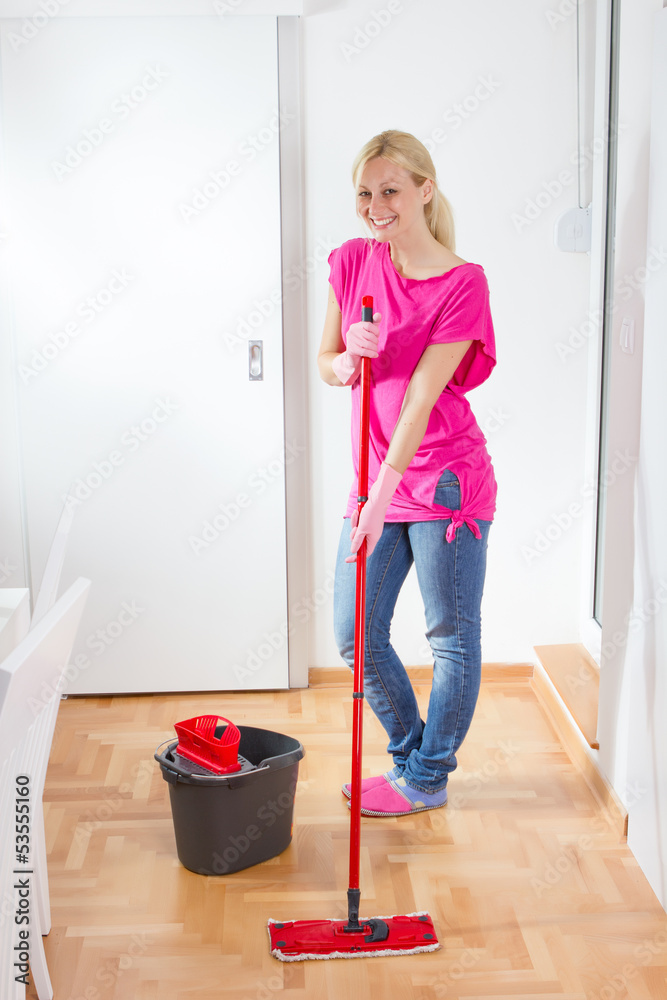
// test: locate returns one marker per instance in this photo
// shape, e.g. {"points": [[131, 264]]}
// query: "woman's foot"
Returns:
{"points": [[394, 797], [368, 783]]}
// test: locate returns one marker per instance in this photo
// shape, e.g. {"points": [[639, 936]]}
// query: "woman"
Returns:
{"points": [[433, 495]]}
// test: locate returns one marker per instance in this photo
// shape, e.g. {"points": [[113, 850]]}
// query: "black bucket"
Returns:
{"points": [[224, 823]]}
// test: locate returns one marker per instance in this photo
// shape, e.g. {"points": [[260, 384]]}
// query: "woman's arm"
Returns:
{"points": [[434, 370], [332, 341]]}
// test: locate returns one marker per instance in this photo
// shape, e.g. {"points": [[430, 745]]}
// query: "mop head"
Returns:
{"points": [[297, 940]]}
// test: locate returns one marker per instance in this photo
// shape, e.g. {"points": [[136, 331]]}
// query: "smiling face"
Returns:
{"points": [[389, 201]]}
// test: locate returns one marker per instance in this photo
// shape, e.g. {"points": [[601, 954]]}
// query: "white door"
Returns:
{"points": [[142, 254]]}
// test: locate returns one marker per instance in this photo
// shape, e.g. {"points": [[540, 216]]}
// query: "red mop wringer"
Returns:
{"points": [[297, 940]]}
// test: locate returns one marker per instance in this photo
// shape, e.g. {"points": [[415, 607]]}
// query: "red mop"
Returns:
{"points": [[296, 940]]}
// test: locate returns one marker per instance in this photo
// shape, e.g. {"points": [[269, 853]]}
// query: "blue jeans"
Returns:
{"points": [[451, 580]]}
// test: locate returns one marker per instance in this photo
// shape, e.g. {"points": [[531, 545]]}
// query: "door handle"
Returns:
{"points": [[256, 360]]}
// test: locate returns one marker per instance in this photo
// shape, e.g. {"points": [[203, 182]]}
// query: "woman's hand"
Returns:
{"points": [[362, 342], [370, 523], [340, 363], [362, 338]]}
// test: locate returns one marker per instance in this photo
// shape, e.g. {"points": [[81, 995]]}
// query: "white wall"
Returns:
{"points": [[13, 561], [634, 669], [622, 641], [631, 285], [510, 146], [140, 8]]}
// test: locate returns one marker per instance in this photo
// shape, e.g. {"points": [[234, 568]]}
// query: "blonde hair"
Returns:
{"points": [[406, 151]]}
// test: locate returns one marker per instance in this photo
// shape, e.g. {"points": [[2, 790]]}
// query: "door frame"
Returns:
{"points": [[295, 264]]}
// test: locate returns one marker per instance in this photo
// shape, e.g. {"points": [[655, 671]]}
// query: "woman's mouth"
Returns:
{"points": [[383, 223]]}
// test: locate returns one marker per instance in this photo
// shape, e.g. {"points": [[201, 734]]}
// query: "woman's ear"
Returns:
{"points": [[427, 190]]}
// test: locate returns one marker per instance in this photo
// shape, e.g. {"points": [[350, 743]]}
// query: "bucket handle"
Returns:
{"points": [[286, 759], [172, 768]]}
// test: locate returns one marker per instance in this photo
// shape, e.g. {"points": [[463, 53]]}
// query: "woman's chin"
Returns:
{"points": [[379, 235]]}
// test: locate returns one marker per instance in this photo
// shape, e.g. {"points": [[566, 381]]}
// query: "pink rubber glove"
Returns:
{"points": [[371, 521], [362, 342]]}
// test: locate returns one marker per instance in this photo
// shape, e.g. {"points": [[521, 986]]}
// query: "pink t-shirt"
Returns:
{"points": [[416, 313]]}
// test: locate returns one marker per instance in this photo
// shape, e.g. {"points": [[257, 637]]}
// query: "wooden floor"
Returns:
{"points": [[532, 892]]}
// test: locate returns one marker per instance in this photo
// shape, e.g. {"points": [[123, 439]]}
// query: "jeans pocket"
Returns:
{"points": [[448, 491]]}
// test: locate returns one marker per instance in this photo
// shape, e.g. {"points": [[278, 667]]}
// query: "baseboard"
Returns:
{"points": [[582, 755], [576, 676], [342, 677]]}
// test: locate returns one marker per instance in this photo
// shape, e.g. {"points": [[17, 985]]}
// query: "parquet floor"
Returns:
{"points": [[532, 892]]}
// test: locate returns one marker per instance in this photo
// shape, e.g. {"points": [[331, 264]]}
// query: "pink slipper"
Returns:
{"points": [[396, 798], [368, 783]]}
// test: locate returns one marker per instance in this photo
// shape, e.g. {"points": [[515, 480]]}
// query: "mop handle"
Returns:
{"points": [[360, 614]]}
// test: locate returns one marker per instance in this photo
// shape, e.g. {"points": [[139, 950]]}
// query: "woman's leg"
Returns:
{"points": [[386, 684], [451, 580]]}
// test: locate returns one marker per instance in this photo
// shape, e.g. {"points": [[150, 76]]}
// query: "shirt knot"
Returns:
{"points": [[457, 520]]}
